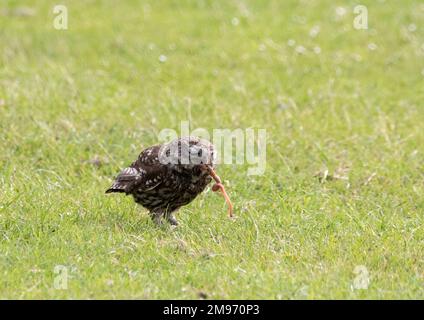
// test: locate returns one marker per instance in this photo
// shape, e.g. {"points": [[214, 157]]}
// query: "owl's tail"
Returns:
{"points": [[124, 181]]}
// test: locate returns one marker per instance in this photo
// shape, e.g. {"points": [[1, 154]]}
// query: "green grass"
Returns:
{"points": [[99, 91]]}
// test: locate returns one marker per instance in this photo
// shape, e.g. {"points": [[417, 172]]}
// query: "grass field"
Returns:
{"points": [[342, 196]]}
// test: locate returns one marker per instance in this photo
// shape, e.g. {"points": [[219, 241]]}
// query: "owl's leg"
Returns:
{"points": [[171, 219], [157, 218]]}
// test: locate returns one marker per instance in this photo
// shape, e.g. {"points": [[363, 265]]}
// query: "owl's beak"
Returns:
{"points": [[219, 186]]}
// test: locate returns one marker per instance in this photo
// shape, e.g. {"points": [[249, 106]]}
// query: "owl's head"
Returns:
{"points": [[188, 153]]}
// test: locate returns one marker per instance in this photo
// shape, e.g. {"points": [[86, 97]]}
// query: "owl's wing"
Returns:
{"points": [[125, 180], [146, 173]]}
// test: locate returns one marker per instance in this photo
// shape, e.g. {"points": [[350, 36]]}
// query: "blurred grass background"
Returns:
{"points": [[338, 103]]}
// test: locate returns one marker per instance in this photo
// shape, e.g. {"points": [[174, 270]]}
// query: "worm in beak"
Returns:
{"points": [[219, 186]]}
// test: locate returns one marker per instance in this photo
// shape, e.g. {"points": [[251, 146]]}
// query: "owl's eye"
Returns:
{"points": [[199, 153]]}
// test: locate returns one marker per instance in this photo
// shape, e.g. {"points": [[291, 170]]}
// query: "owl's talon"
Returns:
{"points": [[172, 220], [157, 219]]}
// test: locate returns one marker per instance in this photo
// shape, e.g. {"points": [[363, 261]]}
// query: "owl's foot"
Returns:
{"points": [[172, 220], [157, 219], [160, 218]]}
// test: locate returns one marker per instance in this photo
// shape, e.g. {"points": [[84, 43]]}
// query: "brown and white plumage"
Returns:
{"points": [[167, 177]]}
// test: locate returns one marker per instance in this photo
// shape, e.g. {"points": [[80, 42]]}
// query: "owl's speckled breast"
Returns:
{"points": [[174, 193]]}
